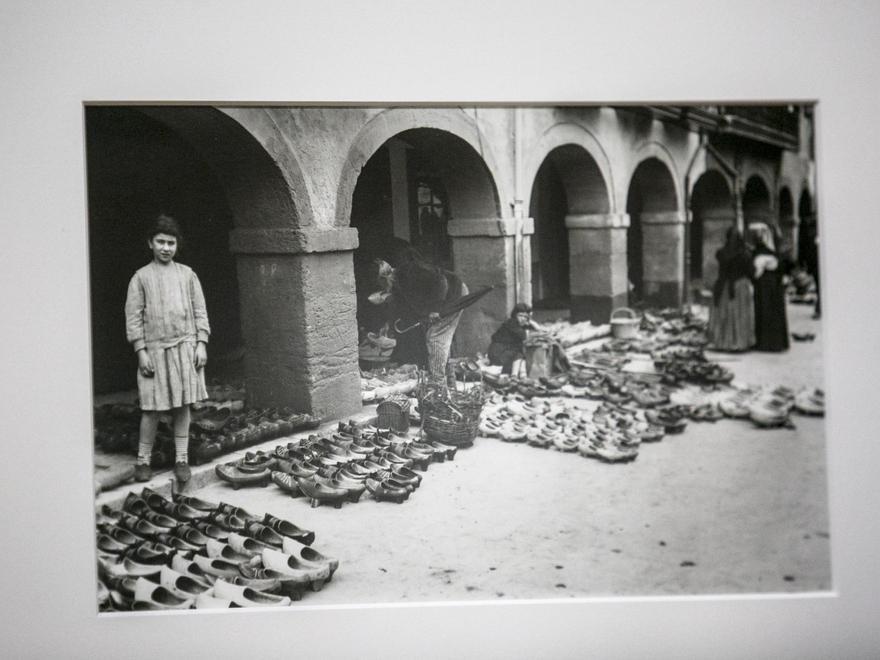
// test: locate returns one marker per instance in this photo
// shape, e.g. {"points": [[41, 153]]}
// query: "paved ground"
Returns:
{"points": [[722, 508]]}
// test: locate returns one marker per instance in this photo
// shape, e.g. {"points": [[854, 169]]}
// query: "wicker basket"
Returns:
{"points": [[450, 415], [394, 414], [624, 323]]}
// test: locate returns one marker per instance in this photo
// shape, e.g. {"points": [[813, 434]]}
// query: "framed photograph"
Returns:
{"points": [[494, 363]]}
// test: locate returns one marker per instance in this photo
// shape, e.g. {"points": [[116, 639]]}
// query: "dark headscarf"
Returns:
{"points": [[733, 258]]}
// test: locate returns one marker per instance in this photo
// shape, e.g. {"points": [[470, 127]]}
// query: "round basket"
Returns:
{"points": [[449, 415], [458, 434], [624, 323]]}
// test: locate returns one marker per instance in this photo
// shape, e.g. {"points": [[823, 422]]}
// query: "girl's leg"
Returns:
{"points": [[181, 434], [147, 438], [181, 418]]}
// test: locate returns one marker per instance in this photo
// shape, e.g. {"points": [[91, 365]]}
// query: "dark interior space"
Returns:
{"points": [[136, 168], [756, 202], [710, 198], [634, 266], [550, 259]]}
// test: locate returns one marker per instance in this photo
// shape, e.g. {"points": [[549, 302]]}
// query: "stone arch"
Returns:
{"points": [[253, 160], [218, 172], [568, 186], [713, 211], [655, 238], [448, 149], [593, 167], [394, 121], [277, 243], [655, 151]]}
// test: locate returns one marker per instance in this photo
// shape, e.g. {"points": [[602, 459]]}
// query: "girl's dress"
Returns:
{"points": [[165, 313], [732, 319]]}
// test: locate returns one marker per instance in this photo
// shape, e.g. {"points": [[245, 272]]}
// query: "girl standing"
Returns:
{"points": [[166, 322]]}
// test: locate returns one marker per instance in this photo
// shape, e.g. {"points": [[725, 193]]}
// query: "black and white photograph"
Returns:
{"points": [[348, 355], [449, 330]]}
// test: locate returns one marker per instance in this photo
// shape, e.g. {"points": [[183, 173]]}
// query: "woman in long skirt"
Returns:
{"points": [[732, 319], [771, 324]]}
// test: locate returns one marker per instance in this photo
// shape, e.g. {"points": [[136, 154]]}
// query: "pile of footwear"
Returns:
{"points": [[570, 334], [697, 371], [609, 433], [215, 430], [341, 468], [160, 554], [772, 407], [379, 384]]}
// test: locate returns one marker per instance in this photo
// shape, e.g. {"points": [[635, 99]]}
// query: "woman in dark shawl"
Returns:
{"points": [[771, 324], [732, 318]]}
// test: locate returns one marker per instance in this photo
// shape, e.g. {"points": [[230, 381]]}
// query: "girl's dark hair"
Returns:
{"points": [[165, 224]]}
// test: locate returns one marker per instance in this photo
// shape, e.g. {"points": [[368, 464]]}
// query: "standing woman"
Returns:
{"points": [[166, 322], [732, 318], [771, 324]]}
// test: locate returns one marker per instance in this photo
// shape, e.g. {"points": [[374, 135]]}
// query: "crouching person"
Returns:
{"points": [[507, 342]]}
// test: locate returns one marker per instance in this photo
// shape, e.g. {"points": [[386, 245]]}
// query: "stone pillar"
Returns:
{"points": [[298, 309], [597, 265], [715, 226], [663, 258], [485, 252]]}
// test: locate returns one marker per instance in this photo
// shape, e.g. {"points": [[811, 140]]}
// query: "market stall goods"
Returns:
{"points": [[167, 563], [343, 467], [217, 428]]}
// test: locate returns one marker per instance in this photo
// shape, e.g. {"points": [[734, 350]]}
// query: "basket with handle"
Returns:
{"points": [[624, 323], [450, 415], [393, 414]]}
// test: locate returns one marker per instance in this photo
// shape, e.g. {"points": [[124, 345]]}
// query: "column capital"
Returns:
{"points": [[663, 218], [597, 221], [462, 227], [292, 240]]}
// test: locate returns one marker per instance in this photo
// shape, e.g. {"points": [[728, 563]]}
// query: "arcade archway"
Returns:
{"points": [[712, 213], [407, 193], [568, 184], [655, 252]]}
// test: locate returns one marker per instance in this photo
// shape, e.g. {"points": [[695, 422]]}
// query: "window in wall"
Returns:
{"points": [[428, 221]]}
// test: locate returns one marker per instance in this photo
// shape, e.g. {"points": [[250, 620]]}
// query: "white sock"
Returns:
{"points": [[181, 449], [145, 451]]}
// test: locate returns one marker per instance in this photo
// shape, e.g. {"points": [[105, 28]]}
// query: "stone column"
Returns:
{"points": [[663, 258], [715, 226], [597, 265], [298, 316], [484, 252]]}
